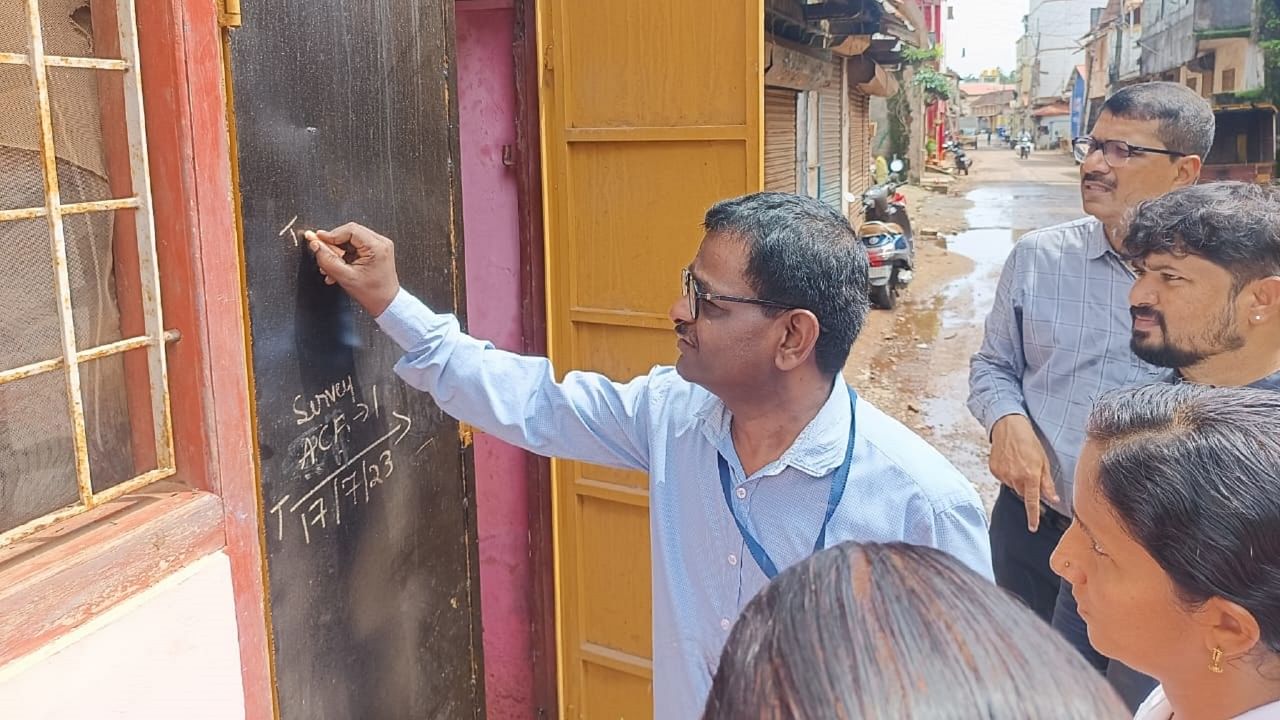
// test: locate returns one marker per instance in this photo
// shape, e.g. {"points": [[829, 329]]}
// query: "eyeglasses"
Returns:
{"points": [[696, 296], [1115, 152]]}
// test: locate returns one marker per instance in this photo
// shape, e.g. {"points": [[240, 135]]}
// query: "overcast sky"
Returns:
{"points": [[982, 34]]}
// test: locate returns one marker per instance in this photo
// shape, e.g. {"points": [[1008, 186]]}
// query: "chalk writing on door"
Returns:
{"points": [[332, 418]]}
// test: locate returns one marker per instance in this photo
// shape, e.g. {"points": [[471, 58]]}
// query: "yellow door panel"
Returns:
{"points": [[612, 694], [623, 352], [658, 63], [651, 111], [647, 199], [614, 599]]}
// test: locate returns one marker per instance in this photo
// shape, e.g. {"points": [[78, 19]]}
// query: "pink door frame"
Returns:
{"points": [[502, 230]]}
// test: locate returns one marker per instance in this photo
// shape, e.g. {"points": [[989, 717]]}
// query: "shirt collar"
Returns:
{"points": [[1098, 245], [1270, 382], [817, 451]]}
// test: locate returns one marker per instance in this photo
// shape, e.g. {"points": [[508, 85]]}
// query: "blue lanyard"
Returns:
{"points": [[838, 484]]}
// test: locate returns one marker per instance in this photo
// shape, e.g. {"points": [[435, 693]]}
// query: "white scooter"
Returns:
{"points": [[886, 235]]}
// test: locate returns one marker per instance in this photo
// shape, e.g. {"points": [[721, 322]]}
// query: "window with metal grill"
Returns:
{"points": [[84, 402]]}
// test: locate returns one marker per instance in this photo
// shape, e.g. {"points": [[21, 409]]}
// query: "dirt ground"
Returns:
{"points": [[913, 362]]}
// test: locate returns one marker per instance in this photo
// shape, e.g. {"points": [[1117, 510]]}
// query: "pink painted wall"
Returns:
{"points": [[486, 98], [169, 652]]}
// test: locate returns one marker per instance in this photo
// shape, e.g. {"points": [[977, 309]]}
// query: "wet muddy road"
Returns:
{"points": [[914, 361]]}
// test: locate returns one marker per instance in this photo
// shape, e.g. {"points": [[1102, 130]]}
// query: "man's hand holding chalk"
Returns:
{"points": [[367, 273]]}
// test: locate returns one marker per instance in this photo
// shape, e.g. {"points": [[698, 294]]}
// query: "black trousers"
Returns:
{"points": [[1020, 558]]}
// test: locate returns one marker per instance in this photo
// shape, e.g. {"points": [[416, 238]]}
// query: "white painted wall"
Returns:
{"points": [[1130, 49], [1055, 28], [1060, 124], [170, 652]]}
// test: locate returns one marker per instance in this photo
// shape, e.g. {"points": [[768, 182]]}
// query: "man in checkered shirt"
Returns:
{"points": [[1058, 334]]}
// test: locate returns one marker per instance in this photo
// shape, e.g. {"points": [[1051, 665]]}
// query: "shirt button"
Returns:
{"points": [[733, 559], [741, 493], [725, 624]]}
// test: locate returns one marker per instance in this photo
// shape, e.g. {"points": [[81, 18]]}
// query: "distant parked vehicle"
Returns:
{"points": [[886, 235], [962, 160]]}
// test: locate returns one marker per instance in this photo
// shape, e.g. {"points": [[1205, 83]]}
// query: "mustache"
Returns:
{"points": [[1095, 177], [1146, 313]]}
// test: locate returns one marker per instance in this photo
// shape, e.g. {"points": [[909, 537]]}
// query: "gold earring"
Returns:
{"points": [[1215, 661], [1066, 564]]}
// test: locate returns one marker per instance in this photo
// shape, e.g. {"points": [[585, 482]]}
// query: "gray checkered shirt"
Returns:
{"points": [[1056, 338]]}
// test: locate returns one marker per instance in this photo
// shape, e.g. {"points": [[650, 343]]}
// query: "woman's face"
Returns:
{"points": [[1123, 595]]}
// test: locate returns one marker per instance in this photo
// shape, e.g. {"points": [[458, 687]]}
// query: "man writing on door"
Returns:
{"points": [[757, 453]]}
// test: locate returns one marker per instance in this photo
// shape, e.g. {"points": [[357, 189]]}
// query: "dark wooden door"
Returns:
{"points": [[345, 111]]}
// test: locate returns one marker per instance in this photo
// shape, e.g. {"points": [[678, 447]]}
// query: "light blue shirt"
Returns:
{"points": [[899, 487]]}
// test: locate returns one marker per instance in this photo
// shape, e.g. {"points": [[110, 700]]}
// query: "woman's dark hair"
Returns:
{"points": [[898, 631], [1192, 473], [802, 253], [1234, 225]]}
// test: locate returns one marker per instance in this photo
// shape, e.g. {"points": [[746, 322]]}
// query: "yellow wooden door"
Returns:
{"points": [[651, 111]]}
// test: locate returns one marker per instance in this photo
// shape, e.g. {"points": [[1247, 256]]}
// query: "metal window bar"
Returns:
{"points": [[53, 210]]}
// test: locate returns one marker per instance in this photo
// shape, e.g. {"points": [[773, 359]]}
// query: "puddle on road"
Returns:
{"points": [[1000, 214], [968, 299], [1034, 205]]}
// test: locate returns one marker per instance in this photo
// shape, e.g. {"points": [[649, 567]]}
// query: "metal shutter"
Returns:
{"points": [[859, 147], [780, 139], [829, 146]]}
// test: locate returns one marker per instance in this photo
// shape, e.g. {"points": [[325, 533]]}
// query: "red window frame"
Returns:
{"points": [[60, 577]]}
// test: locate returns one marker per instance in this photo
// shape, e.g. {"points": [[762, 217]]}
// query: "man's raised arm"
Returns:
{"points": [[512, 397]]}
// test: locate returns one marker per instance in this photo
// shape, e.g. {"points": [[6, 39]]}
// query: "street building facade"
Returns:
{"points": [[1048, 53], [1213, 48], [989, 105]]}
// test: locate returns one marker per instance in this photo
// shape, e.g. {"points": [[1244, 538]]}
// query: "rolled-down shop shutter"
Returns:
{"points": [[830, 162], [780, 139], [859, 147]]}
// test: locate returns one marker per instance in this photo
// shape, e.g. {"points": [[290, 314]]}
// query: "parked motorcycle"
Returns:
{"points": [[962, 160], [886, 235]]}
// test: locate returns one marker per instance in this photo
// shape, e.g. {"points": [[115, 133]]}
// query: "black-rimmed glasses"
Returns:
{"points": [[1115, 152], [696, 296]]}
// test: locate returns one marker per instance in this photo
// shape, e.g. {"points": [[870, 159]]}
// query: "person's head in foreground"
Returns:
{"points": [[1174, 551], [898, 631], [1208, 287]]}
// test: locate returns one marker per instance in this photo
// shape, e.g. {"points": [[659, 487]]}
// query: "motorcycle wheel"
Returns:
{"points": [[885, 296]]}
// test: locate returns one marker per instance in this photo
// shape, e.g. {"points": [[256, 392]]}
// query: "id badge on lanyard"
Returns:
{"points": [[838, 484]]}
